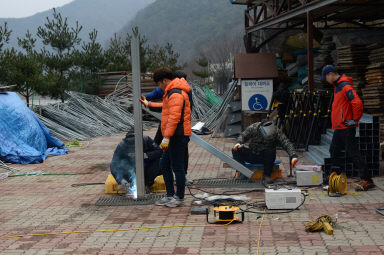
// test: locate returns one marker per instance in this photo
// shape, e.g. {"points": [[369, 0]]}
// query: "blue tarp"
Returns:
{"points": [[24, 139]]}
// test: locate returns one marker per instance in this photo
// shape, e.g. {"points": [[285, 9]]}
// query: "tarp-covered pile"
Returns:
{"points": [[24, 139]]}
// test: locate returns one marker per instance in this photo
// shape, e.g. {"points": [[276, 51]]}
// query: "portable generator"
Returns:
{"points": [[282, 198]]}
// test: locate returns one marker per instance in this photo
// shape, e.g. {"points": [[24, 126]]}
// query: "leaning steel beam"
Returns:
{"points": [[291, 14], [213, 150], [138, 127]]}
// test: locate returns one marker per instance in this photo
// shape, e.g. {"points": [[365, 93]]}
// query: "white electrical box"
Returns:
{"points": [[283, 198], [309, 178]]}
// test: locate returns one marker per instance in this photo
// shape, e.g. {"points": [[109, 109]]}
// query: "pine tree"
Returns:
{"points": [[59, 58], [5, 34], [203, 73], [90, 60], [25, 68]]}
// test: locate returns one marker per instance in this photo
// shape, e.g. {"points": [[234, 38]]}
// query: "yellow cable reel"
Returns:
{"points": [[337, 183], [226, 214]]}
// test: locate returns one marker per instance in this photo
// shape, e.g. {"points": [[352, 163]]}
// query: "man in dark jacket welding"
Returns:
{"points": [[347, 110], [123, 167], [263, 138]]}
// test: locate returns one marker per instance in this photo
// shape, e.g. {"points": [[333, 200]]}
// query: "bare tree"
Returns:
{"points": [[221, 57]]}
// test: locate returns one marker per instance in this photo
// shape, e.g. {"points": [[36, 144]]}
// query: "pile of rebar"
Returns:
{"points": [[200, 104], [215, 116], [84, 116]]}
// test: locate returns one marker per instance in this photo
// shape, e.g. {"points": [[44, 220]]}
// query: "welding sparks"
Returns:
{"points": [[132, 191]]}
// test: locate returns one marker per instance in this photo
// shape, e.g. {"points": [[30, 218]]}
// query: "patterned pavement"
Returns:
{"points": [[49, 204]]}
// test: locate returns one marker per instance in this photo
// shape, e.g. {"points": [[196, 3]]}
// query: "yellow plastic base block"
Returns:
{"points": [[276, 174], [159, 185], [111, 186]]}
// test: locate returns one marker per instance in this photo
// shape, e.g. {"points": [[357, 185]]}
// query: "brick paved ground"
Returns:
{"points": [[46, 204]]}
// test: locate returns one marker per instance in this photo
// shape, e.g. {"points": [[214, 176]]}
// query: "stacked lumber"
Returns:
{"points": [[324, 58], [353, 61], [373, 93]]}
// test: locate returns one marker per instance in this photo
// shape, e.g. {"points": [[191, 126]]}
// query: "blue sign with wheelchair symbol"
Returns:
{"points": [[258, 102]]}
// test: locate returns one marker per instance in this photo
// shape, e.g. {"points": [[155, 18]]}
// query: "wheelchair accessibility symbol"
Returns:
{"points": [[258, 102]]}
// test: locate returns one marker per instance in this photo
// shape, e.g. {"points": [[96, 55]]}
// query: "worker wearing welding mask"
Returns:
{"points": [[262, 139], [123, 167]]}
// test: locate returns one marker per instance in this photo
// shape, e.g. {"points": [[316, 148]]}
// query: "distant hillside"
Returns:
{"points": [[188, 24], [107, 16]]}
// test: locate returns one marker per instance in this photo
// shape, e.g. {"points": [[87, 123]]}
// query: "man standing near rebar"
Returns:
{"points": [[347, 110], [176, 130], [156, 94]]}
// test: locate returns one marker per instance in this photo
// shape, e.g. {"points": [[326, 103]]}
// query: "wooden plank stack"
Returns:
{"points": [[353, 61], [373, 93], [322, 59]]}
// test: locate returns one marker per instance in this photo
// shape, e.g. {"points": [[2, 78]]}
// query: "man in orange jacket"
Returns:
{"points": [[347, 110], [176, 130]]}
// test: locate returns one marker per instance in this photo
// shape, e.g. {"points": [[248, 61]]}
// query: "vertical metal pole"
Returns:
{"points": [[310, 50], [138, 127]]}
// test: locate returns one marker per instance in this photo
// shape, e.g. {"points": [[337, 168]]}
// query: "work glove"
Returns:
{"points": [[350, 123], [294, 161], [124, 183], [164, 144], [237, 146], [144, 101]]}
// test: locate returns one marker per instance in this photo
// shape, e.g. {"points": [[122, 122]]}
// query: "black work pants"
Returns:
{"points": [[173, 160], [345, 139], [159, 137], [266, 157]]}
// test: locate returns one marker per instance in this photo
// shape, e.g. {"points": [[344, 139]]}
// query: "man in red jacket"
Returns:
{"points": [[347, 110]]}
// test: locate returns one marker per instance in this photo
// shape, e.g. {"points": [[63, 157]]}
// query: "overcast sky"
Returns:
{"points": [[25, 8]]}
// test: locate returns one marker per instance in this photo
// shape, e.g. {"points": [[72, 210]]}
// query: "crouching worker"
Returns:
{"points": [[123, 167], [263, 138]]}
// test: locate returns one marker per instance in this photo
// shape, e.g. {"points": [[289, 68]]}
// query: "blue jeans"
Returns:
{"points": [[173, 159]]}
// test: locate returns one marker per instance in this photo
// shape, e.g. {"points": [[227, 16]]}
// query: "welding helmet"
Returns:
{"points": [[268, 129]]}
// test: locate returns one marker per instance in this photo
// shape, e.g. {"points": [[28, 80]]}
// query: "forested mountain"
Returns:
{"points": [[188, 24], [107, 16]]}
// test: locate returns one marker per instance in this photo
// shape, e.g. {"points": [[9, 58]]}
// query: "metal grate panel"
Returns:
{"points": [[255, 184], [127, 201]]}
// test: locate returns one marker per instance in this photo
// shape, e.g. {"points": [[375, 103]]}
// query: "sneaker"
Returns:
{"points": [[163, 201], [188, 181], [364, 185], [175, 202], [267, 180]]}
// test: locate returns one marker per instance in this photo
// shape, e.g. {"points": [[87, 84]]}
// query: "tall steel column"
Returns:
{"points": [[310, 50], [138, 127]]}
